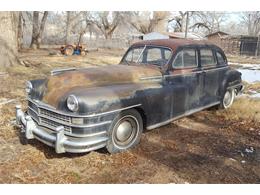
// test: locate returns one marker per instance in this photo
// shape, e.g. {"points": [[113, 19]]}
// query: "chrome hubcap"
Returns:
{"points": [[124, 131]]}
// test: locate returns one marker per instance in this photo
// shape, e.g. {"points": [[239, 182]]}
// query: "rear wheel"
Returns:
{"points": [[125, 131], [227, 99]]}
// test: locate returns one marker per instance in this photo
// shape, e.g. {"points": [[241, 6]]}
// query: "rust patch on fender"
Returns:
{"points": [[60, 84]]}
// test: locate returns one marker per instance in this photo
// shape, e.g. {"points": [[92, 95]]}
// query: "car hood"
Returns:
{"points": [[59, 86]]}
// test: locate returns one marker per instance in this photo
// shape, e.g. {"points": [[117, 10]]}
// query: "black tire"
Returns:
{"points": [[224, 104], [127, 126]]}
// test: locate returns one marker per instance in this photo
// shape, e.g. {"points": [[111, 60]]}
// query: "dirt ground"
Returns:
{"points": [[212, 146]]}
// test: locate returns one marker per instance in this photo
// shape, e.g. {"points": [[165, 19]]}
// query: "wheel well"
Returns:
{"points": [[142, 113]]}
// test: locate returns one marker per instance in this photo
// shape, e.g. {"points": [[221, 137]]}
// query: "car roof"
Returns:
{"points": [[173, 43]]}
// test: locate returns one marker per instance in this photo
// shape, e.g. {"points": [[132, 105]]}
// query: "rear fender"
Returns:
{"points": [[232, 79]]}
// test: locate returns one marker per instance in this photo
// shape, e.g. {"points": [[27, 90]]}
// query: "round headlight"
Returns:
{"points": [[72, 103], [28, 87]]}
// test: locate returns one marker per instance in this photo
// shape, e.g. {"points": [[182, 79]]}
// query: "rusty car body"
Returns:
{"points": [[156, 82]]}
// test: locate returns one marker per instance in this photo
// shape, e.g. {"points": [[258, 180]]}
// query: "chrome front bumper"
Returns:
{"points": [[57, 139]]}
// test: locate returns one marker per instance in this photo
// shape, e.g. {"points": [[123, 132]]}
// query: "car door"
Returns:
{"points": [[208, 64], [185, 79]]}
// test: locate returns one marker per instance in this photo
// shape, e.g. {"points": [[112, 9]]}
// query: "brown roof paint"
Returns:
{"points": [[172, 43]]}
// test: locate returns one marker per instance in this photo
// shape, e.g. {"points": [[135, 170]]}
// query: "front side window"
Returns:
{"points": [[134, 54], [207, 57], [185, 58], [148, 55], [157, 56]]}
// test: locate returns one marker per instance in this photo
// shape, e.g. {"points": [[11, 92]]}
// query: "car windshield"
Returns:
{"points": [[158, 56]]}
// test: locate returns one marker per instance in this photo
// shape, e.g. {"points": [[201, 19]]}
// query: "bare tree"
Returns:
{"points": [[8, 38], [210, 21], [146, 22], [106, 22], [252, 22], [73, 18], [178, 21], [81, 26], [38, 29]]}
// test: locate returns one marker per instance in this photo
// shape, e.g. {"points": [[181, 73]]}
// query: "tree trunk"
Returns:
{"points": [[35, 29], [38, 29], [8, 38], [108, 35], [43, 22], [68, 28], [20, 31]]}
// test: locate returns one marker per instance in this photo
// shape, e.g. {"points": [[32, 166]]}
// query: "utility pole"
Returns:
{"points": [[257, 45], [186, 27]]}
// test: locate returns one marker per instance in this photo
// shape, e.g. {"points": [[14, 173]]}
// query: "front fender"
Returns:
{"points": [[108, 98]]}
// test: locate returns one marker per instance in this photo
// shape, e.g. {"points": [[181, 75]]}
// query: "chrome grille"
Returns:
{"points": [[52, 125], [33, 114], [48, 118], [50, 114], [33, 106]]}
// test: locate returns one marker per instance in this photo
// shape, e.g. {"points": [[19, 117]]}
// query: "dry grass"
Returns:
{"points": [[253, 87], [243, 109], [243, 59]]}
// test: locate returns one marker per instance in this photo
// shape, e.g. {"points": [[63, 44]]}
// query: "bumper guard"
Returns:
{"points": [[57, 139]]}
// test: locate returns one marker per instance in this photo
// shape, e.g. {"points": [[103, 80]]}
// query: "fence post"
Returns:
{"points": [[257, 46]]}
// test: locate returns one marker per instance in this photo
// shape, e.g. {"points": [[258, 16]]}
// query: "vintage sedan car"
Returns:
{"points": [[156, 82]]}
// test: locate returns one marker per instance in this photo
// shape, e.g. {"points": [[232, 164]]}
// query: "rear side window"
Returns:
{"points": [[185, 58], [207, 57], [221, 59]]}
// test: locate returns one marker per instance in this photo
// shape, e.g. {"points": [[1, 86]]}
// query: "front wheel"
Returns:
{"points": [[125, 131], [227, 99]]}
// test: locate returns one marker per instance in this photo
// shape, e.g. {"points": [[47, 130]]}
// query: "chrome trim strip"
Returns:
{"points": [[148, 78], [43, 104], [57, 71], [180, 116], [70, 124], [83, 116], [214, 69], [185, 74]]}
